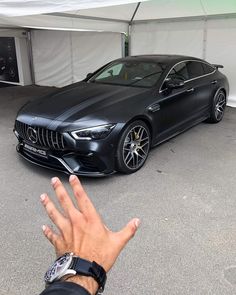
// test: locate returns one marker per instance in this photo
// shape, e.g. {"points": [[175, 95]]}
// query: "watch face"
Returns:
{"points": [[59, 267]]}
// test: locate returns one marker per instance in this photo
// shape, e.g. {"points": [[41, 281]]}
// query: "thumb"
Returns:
{"points": [[128, 231]]}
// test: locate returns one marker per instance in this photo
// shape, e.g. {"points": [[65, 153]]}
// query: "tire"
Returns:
{"points": [[218, 107], [133, 147]]}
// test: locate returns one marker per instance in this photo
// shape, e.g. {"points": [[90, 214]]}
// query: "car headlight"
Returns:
{"points": [[97, 132]]}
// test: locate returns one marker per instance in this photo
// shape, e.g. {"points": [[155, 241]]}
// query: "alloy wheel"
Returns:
{"points": [[220, 106], [136, 147]]}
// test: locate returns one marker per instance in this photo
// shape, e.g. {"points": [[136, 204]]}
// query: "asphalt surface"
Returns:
{"points": [[185, 196]]}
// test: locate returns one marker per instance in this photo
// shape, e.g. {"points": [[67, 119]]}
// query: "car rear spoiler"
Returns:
{"points": [[218, 66]]}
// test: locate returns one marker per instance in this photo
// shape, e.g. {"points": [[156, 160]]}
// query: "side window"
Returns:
{"points": [[195, 69], [179, 72], [208, 68], [111, 71]]}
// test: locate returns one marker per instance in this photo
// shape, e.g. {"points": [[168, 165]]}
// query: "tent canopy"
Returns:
{"points": [[155, 25], [104, 15]]}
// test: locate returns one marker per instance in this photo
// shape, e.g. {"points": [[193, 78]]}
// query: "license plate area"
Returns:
{"points": [[35, 150]]}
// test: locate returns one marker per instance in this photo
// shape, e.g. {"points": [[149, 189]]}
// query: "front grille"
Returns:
{"points": [[42, 136]]}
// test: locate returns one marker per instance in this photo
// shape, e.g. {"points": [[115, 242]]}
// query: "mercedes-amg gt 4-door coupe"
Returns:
{"points": [[109, 121]]}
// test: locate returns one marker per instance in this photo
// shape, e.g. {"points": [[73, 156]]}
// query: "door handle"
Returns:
{"points": [[190, 90], [214, 82]]}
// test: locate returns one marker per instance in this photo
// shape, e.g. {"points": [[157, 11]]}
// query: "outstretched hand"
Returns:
{"points": [[82, 230]]}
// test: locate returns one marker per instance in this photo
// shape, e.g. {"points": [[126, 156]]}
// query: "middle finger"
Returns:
{"points": [[62, 196], [57, 218]]}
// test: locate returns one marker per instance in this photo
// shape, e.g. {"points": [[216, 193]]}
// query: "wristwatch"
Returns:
{"points": [[70, 265]]}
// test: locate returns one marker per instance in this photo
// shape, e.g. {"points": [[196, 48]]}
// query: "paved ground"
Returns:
{"points": [[185, 196]]}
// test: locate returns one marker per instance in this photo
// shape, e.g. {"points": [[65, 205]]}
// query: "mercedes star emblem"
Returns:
{"points": [[32, 134]]}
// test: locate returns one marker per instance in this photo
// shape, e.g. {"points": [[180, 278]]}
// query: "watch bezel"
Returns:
{"points": [[58, 269]]}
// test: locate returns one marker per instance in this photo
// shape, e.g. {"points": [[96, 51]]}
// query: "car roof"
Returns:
{"points": [[162, 58]]}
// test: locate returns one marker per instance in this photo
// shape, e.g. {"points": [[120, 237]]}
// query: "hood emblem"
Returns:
{"points": [[32, 134]]}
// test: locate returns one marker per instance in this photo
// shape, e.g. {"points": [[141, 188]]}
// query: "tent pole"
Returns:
{"points": [[129, 39], [30, 54], [123, 44], [205, 29], [130, 26]]}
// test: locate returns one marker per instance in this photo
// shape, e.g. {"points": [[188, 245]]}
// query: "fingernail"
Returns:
{"points": [[43, 197], [137, 223], [72, 177], [43, 227], [54, 180]]}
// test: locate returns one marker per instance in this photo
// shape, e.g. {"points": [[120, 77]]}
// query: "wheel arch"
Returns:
{"points": [[221, 89], [225, 93], [140, 118]]}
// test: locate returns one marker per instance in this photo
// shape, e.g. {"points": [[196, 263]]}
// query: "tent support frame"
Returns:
{"points": [[204, 47], [130, 27], [30, 54], [187, 18], [87, 17]]}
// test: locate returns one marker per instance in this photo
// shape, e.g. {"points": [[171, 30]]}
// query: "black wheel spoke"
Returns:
{"points": [[134, 161], [142, 139], [139, 155], [143, 145]]}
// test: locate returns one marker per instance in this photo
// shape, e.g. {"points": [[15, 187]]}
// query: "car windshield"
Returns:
{"points": [[130, 73]]}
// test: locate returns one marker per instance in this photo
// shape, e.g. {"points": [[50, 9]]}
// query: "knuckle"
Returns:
{"points": [[61, 196], [48, 233], [57, 184], [50, 212], [133, 230], [78, 192]]}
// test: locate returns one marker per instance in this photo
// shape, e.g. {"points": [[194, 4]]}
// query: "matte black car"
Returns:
{"points": [[109, 121]]}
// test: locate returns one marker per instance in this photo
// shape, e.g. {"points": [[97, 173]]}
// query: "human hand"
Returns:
{"points": [[82, 230]]}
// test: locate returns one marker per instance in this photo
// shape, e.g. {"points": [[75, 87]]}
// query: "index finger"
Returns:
{"points": [[62, 195], [84, 203]]}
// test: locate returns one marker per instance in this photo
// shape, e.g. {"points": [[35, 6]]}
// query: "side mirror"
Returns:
{"points": [[174, 83], [89, 75]]}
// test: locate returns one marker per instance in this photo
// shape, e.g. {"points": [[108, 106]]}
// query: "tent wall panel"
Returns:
{"points": [[212, 39], [221, 49], [51, 57], [173, 38], [62, 57], [23, 61], [12, 33], [93, 50]]}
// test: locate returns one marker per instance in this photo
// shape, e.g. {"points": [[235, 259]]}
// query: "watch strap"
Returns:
{"points": [[90, 269]]}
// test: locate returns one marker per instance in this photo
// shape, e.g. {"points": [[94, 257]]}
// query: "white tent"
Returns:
{"points": [[202, 28]]}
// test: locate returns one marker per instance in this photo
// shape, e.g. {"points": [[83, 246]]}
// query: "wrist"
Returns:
{"points": [[87, 283]]}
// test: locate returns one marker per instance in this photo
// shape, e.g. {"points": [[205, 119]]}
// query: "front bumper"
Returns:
{"points": [[95, 159]]}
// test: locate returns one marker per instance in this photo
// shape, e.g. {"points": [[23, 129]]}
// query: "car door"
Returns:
{"points": [[204, 87], [176, 105]]}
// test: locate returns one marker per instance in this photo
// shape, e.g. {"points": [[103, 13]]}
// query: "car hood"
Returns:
{"points": [[78, 101]]}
